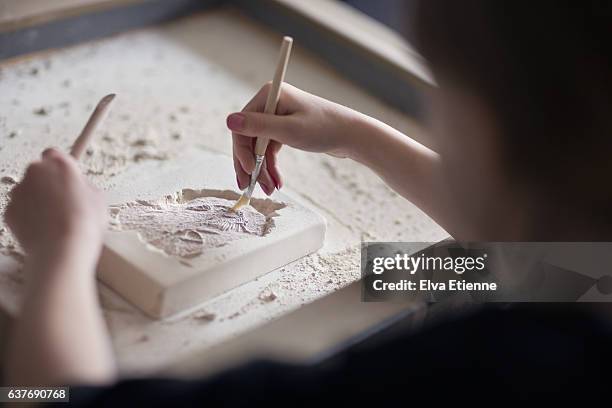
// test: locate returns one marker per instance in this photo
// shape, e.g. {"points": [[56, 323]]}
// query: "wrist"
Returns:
{"points": [[348, 133], [67, 257], [366, 134]]}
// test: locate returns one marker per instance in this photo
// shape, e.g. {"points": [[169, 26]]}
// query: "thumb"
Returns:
{"points": [[255, 124]]}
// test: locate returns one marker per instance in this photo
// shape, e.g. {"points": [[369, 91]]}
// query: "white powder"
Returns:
{"points": [[185, 227]]}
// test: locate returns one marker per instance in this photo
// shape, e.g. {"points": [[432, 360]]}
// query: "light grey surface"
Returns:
{"points": [[210, 64]]}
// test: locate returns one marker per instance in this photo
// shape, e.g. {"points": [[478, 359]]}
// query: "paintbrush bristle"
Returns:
{"points": [[244, 200]]}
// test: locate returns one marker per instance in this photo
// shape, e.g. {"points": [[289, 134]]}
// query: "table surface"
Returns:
{"points": [[176, 83]]}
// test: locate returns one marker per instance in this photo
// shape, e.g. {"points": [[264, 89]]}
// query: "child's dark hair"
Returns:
{"points": [[545, 69]]}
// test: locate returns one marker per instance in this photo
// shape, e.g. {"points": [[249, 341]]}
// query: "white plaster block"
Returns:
{"points": [[162, 285]]}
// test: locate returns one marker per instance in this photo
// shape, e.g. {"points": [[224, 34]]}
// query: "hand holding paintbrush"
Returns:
{"points": [[270, 108]]}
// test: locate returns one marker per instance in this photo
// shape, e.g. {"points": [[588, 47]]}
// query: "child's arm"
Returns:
{"points": [[59, 337], [310, 123]]}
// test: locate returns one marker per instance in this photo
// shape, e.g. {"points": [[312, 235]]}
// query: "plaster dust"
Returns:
{"points": [[175, 84], [189, 222]]}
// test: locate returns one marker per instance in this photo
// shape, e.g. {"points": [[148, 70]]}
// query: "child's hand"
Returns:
{"points": [[302, 120], [60, 336], [54, 211]]}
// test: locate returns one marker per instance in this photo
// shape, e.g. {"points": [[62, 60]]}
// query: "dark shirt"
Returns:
{"points": [[531, 353]]}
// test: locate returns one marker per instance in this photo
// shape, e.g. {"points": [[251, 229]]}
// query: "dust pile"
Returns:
{"points": [[187, 228]]}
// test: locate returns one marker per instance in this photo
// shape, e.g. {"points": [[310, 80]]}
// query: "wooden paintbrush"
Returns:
{"points": [[94, 120], [262, 143]]}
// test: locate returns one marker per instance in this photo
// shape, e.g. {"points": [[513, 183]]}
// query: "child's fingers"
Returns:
{"points": [[285, 101], [50, 153], [257, 124], [272, 163], [254, 124], [19, 196], [13, 214], [258, 102], [265, 180], [242, 178], [63, 162], [243, 151]]}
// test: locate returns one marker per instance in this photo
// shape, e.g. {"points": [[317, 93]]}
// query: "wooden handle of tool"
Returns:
{"points": [[81, 142], [274, 93]]}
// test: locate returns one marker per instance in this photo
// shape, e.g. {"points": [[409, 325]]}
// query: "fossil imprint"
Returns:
{"points": [[185, 229]]}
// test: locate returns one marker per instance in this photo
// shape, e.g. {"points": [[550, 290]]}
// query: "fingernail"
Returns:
{"points": [[235, 121], [277, 183], [265, 188]]}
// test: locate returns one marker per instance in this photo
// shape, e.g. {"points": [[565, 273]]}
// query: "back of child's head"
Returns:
{"points": [[544, 70]]}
